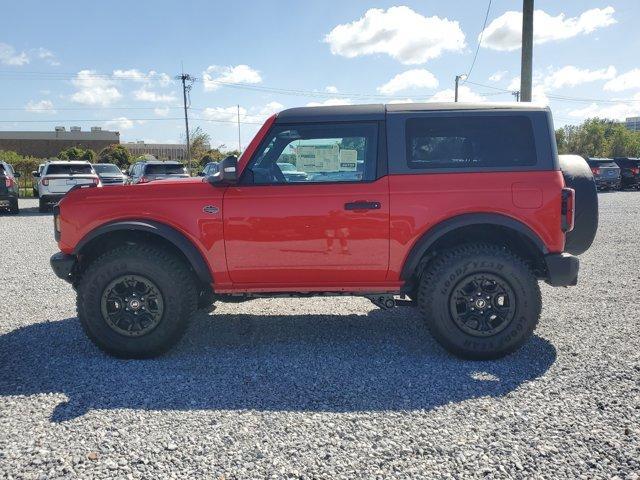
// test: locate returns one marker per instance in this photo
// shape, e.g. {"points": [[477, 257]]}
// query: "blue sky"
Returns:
{"points": [[112, 63]]}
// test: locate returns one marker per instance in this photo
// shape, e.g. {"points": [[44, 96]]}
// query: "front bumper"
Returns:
{"points": [[562, 269], [62, 265]]}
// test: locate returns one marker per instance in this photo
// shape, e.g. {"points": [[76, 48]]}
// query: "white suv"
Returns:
{"points": [[57, 178]]}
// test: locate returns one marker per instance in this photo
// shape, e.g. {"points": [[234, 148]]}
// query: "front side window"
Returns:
{"points": [[470, 142], [312, 153]]}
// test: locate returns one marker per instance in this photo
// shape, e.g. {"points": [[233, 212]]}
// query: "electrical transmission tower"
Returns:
{"points": [[187, 83]]}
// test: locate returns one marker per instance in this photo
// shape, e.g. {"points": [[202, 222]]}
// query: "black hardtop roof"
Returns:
{"points": [[634, 159], [377, 111], [161, 162]]}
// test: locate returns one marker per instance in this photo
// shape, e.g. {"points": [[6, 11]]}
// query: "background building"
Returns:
{"points": [[633, 123], [162, 151], [49, 144]]}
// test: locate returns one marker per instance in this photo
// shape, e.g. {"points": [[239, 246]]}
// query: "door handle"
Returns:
{"points": [[362, 206]]}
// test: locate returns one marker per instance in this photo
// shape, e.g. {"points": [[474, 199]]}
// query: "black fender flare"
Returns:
{"points": [[422, 245], [175, 237]]}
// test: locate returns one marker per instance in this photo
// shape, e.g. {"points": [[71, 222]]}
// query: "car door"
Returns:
{"points": [[329, 227]]}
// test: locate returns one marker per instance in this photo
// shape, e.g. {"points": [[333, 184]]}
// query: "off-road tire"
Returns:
{"points": [[174, 280], [439, 281]]}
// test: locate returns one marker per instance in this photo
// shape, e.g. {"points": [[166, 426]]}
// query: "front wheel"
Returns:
{"points": [[136, 301], [480, 301]]}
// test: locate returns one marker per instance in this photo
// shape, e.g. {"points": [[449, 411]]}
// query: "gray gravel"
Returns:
{"points": [[322, 388]]}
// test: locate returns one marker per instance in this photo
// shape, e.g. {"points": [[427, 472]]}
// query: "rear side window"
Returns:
{"points": [[69, 170], [470, 142], [165, 170]]}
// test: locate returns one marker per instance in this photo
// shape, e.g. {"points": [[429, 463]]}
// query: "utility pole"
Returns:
{"points": [[526, 68], [187, 82], [458, 78], [516, 94], [239, 141]]}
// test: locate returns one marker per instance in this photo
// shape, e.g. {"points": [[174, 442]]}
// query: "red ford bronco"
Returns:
{"points": [[458, 209]]}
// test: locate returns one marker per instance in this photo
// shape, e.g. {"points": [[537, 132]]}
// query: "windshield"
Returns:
{"points": [[106, 168], [69, 169], [164, 169]]}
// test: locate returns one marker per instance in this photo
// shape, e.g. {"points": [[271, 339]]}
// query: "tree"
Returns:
{"points": [[200, 143], [77, 153], [117, 154], [597, 137]]}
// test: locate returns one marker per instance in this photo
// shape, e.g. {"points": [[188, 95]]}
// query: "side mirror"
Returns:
{"points": [[35, 174], [227, 173], [16, 175]]}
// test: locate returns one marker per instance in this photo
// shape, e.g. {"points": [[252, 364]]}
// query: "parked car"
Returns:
{"points": [[606, 173], [460, 211], [210, 169], [629, 172], [291, 173], [58, 177], [35, 174], [109, 174], [148, 171], [9, 188]]}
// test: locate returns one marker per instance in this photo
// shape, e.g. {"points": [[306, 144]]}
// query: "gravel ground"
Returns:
{"points": [[322, 388]]}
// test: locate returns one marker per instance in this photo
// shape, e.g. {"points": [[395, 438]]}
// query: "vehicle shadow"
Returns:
{"points": [[384, 360]]}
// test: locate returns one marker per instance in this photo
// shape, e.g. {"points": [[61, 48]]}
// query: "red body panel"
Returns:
{"points": [[299, 237]]}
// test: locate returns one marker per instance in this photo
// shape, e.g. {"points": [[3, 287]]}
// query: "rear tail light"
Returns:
{"points": [[595, 170], [635, 171], [568, 209], [45, 181], [143, 180], [96, 181], [8, 182]]}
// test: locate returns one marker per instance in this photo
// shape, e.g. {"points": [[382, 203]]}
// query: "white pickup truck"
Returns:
{"points": [[57, 178]]}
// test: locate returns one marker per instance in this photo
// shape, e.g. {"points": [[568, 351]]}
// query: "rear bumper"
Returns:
{"points": [[52, 197], [6, 199], [62, 265], [604, 184], [562, 269]]}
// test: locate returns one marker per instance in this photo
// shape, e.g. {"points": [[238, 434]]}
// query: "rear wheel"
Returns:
{"points": [[13, 207], [135, 301], [479, 301]]}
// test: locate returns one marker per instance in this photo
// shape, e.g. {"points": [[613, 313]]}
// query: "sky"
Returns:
{"points": [[113, 64]]}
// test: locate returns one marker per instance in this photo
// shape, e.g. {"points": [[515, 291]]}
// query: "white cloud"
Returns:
{"points": [[626, 81], [48, 56], [230, 114], [94, 89], [216, 74], [330, 102], [417, 78], [120, 123], [401, 100], [150, 78], [465, 94], [145, 95], [43, 106], [505, 32], [570, 76], [161, 111], [331, 89], [496, 77], [615, 111], [9, 56], [399, 32]]}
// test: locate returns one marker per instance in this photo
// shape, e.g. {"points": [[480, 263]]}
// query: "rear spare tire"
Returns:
{"points": [[577, 175]]}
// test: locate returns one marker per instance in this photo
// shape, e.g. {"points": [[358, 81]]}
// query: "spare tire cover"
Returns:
{"points": [[577, 175]]}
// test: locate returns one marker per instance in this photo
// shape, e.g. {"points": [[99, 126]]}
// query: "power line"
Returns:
{"points": [[475, 56]]}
